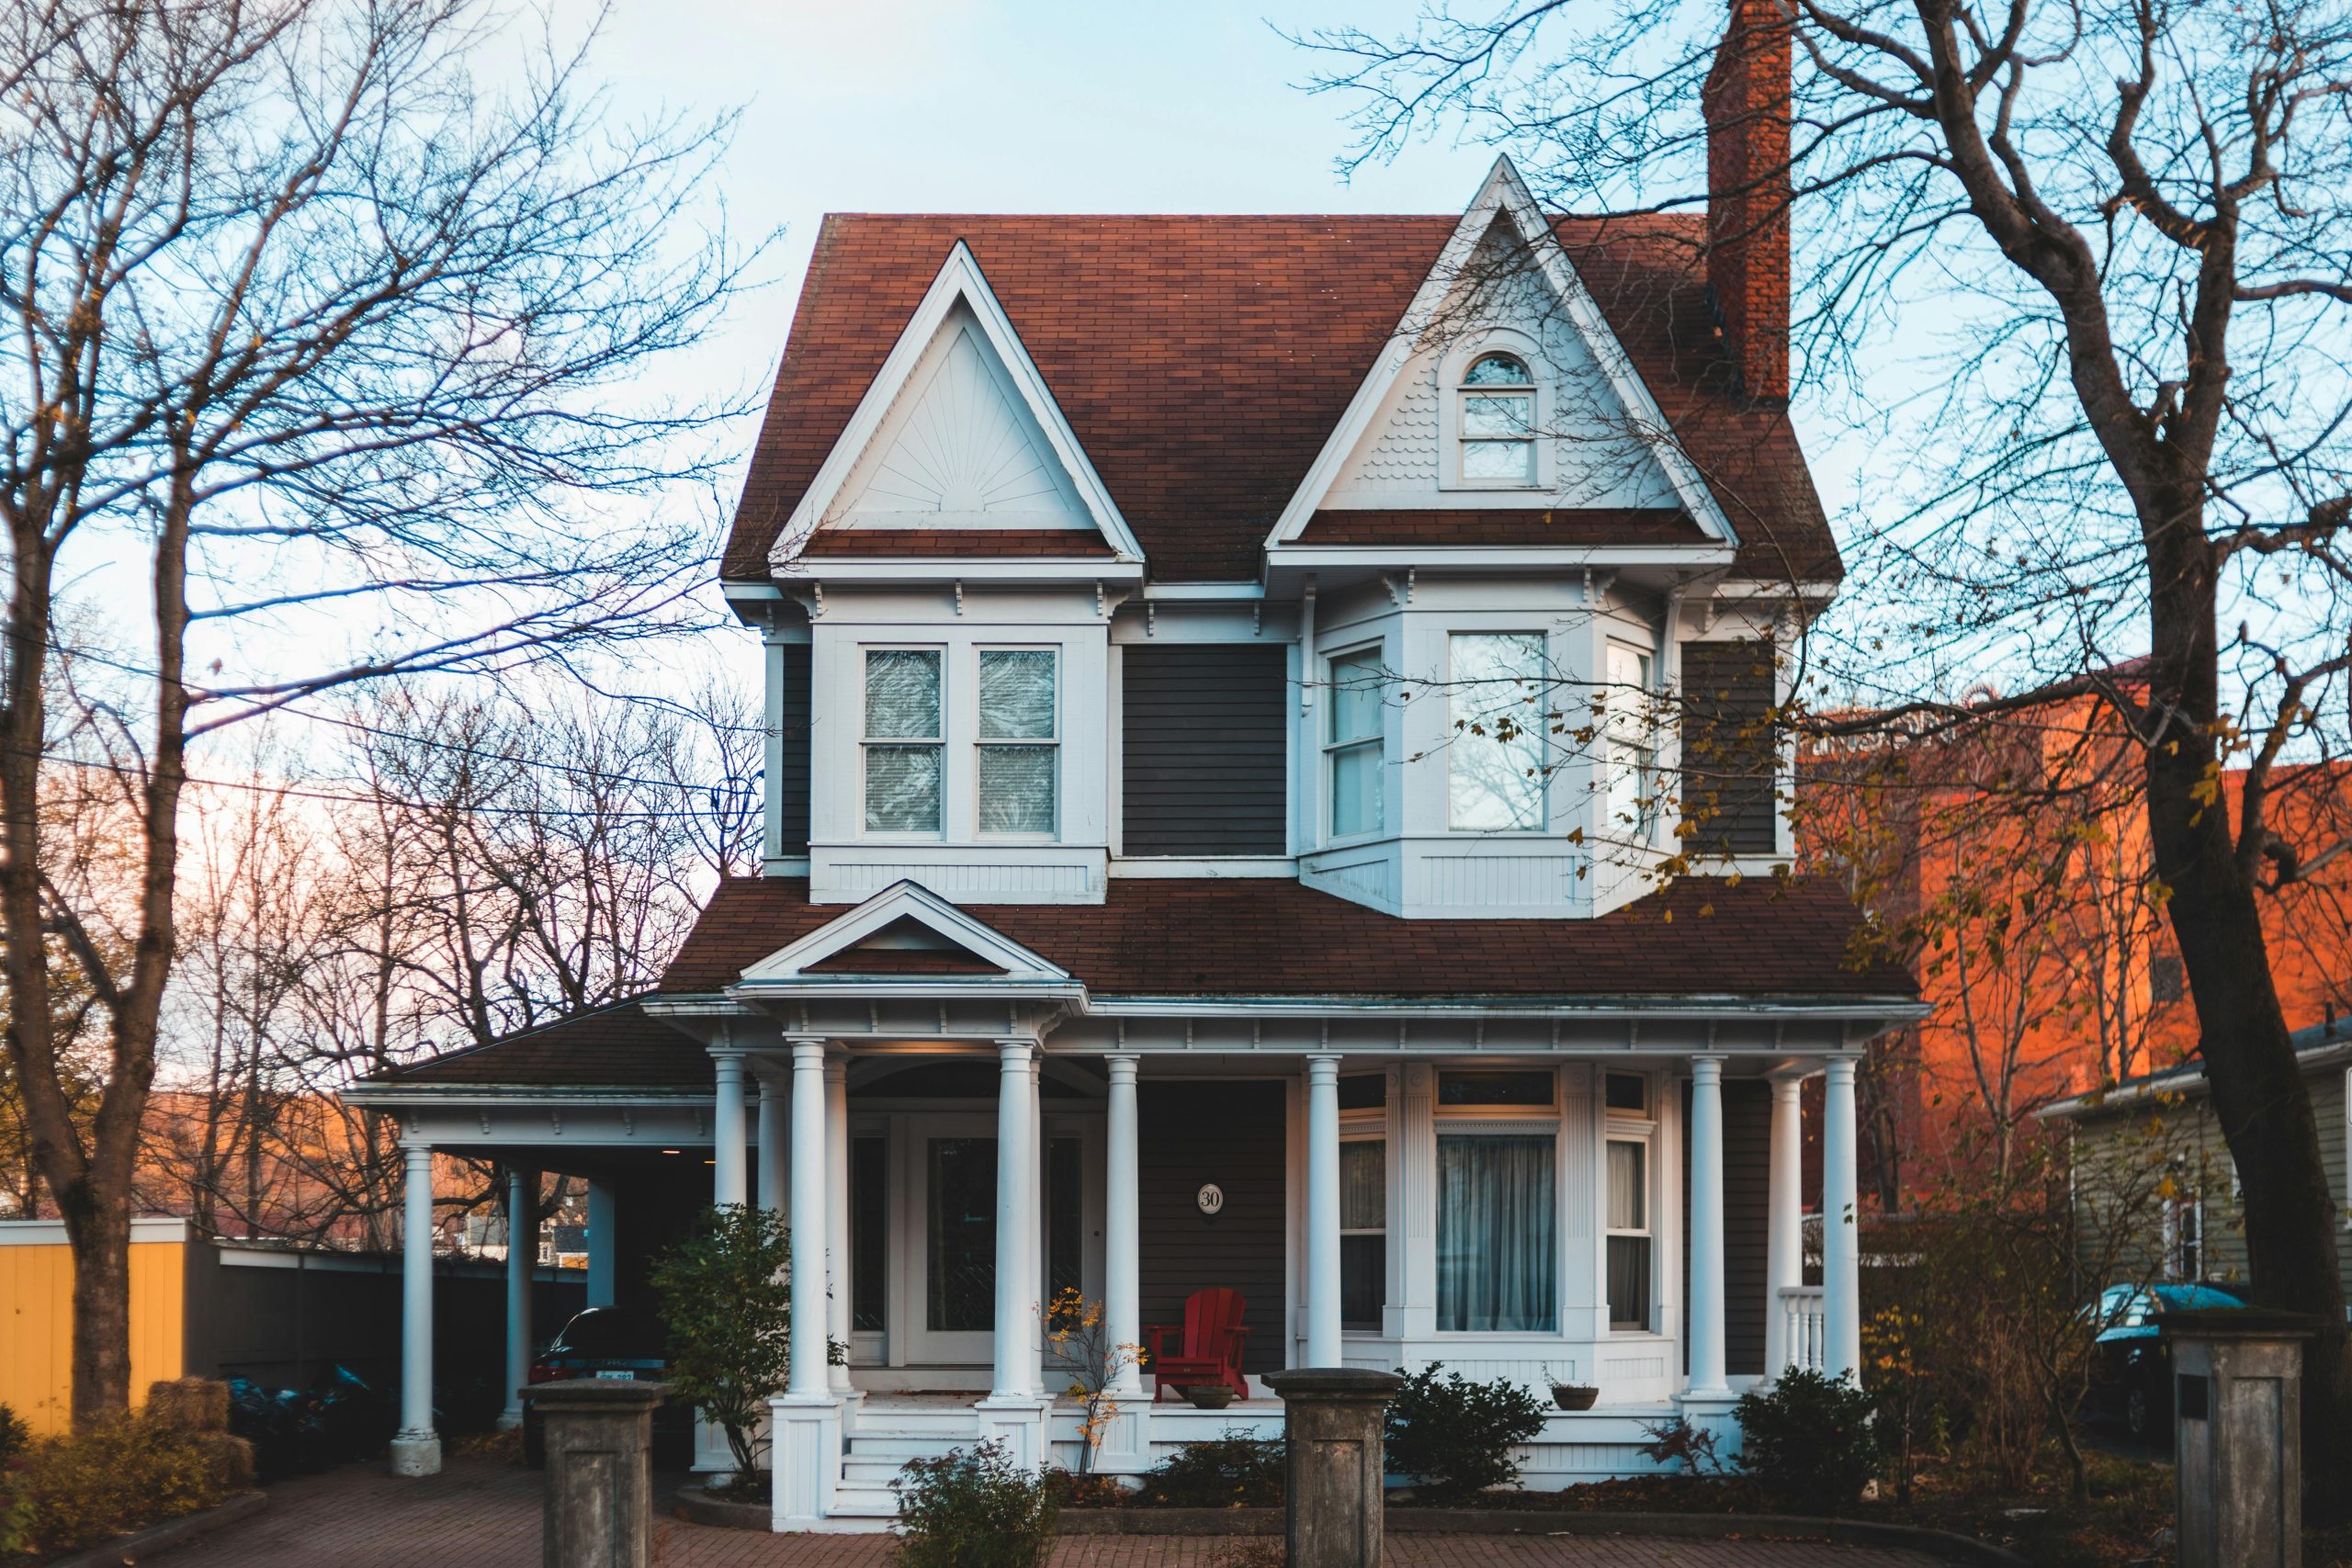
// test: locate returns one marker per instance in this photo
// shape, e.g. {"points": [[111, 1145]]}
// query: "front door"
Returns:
{"points": [[951, 1183]]}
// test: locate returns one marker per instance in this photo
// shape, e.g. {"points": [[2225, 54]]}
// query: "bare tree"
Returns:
{"points": [[2117, 241], [319, 356]]}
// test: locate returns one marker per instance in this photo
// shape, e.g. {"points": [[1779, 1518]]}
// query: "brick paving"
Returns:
{"points": [[485, 1514]]}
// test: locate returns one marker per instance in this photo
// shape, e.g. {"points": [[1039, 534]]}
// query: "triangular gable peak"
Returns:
{"points": [[957, 432], [1503, 279], [908, 929]]}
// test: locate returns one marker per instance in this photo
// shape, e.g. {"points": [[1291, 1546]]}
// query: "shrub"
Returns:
{"points": [[728, 1304], [118, 1475], [1454, 1437], [973, 1509], [15, 1435], [1809, 1442], [1232, 1472]]}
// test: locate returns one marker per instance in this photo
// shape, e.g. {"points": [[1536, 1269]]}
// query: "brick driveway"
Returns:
{"points": [[485, 1514]]}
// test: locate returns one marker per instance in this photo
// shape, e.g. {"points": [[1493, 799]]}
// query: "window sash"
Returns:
{"points": [[1497, 1233], [903, 744], [1495, 785], [1354, 744]]}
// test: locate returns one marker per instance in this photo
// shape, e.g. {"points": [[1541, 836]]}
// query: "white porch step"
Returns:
{"points": [[904, 1446], [856, 1501], [896, 1420], [871, 1473]]}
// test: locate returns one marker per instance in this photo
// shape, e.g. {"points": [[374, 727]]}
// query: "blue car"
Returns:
{"points": [[2131, 1370]]}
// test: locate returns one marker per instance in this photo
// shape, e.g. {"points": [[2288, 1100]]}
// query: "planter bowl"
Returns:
{"points": [[1209, 1395], [1574, 1396]]}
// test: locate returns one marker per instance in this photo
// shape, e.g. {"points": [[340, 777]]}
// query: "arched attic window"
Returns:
{"points": [[1497, 421]]}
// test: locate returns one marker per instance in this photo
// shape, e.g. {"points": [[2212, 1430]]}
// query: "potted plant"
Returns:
{"points": [[1572, 1396]]}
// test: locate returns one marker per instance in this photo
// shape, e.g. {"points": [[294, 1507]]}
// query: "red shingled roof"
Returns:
{"points": [[1202, 362], [616, 1046], [1503, 527], [1274, 937], [963, 543]]}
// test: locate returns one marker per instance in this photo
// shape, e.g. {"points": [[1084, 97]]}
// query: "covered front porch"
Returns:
{"points": [[1445, 1190]]}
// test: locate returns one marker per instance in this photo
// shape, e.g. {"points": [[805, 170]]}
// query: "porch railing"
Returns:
{"points": [[1804, 1327]]}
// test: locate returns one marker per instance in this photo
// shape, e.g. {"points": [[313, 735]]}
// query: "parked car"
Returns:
{"points": [[2131, 1370], [611, 1342]]}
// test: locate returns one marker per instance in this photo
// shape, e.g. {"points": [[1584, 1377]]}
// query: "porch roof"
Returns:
{"points": [[1710, 936], [614, 1046]]}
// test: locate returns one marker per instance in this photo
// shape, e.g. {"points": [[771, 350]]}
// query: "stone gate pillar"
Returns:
{"points": [[1333, 1505], [599, 1509]]}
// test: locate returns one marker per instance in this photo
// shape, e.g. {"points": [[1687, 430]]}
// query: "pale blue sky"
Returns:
{"points": [[1006, 105]]}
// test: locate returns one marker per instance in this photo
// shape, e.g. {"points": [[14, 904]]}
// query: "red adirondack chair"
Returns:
{"points": [[1209, 1351]]}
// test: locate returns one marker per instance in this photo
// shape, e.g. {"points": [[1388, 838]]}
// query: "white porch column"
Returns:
{"points": [[1841, 1252], [729, 1180], [416, 1448], [1784, 1207], [1016, 1220], [603, 1272], [1121, 1222], [808, 1376], [1323, 1211], [806, 1458], [522, 1257], [1706, 1328], [776, 1105], [837, 1281]]}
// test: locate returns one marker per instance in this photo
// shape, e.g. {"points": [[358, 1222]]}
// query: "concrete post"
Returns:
{"points": [[805, 1456], [1122, 1223], [1333, 1418], [2237, 1437], [599, 1500], [416, 1447], [730, 1181]]}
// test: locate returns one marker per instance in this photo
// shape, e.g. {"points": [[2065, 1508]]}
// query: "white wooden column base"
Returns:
{"points": [[1126, 1442], [416, 1455], [1713, 1412], [804, 1459], [1018, 1423]]}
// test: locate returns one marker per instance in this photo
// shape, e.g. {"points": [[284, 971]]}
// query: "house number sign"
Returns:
{"points": [[1211, 1198]]}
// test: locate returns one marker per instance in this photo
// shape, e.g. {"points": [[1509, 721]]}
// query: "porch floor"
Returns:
{"points": [[484, 1513]]}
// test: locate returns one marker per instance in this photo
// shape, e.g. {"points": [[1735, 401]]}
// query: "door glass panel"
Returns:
{"points": [[960, 1182], [1065, 1218]]}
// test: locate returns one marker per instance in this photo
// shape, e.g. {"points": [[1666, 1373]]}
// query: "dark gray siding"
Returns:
{"points": [[1747, 1179], [1730, 746], [792, 789], [1232, 1133], [1204, 739]]}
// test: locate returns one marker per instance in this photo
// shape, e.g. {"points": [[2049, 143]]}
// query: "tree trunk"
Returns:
{"points": [[98, 1227], [2258, 1096]]}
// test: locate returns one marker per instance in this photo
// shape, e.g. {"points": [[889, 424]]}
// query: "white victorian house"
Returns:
{"points": [[1152, 902]]}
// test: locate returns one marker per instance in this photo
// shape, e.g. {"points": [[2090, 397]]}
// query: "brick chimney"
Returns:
{"points": [[1747, 104]]}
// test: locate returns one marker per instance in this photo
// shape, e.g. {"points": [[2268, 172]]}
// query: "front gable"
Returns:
{"points": [[958, 434], [906, 931], [1504, 284]]}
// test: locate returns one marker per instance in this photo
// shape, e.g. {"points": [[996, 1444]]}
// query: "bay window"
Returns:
{"points": [[1019, 754], [1496, 753], [903, 741], [1497, 1238], [1353, 745]]}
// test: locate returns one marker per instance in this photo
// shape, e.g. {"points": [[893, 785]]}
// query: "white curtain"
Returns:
{"points": [[1497, 1238]]}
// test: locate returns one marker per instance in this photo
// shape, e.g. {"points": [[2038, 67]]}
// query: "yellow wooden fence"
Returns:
{"points": [[37, 1313]]}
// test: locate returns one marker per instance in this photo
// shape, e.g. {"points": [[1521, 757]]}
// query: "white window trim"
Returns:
{"points": [[981, 742], [866, 743], [1329, 749], [1454, 369], [1628, 1127]]}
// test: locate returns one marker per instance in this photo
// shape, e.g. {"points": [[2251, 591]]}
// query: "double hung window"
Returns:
{"points": [[1017, 741], [1498, 421], [903, 741], [1496, 755], [1352, 743], [1629, 724]]}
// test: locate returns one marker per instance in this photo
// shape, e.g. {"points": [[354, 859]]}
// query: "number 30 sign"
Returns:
{"points": [[1211, 1198]]}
